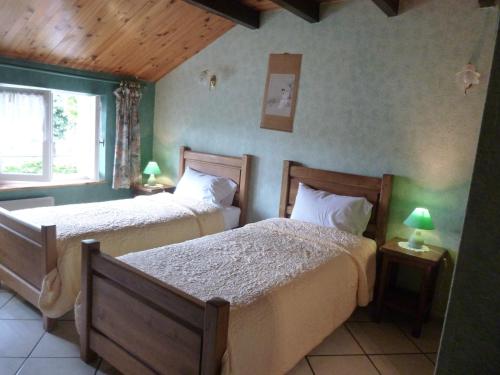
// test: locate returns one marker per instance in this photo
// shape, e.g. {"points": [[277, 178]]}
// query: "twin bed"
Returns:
{"points": [[253, 300], [42, 262], [201, 300]]}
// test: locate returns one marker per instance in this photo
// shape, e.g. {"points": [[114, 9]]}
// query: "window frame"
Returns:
{"points": [[98, 139], [48, 137]]}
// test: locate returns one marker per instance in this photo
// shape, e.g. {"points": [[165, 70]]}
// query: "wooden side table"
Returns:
{"points": [[143, 190], [169, 188], [416, 304]]}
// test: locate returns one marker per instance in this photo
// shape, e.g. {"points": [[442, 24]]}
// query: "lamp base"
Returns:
{"points": [[407, 246], [152, 183], [151, 180]]}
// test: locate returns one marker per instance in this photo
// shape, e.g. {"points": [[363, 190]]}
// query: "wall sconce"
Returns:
{"points": [[208, 78], [468, 77]]}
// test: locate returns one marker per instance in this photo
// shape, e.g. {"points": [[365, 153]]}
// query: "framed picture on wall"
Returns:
{"points": [[280, 96]]}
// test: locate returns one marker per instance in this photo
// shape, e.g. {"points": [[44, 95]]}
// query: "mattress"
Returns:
{"points": [[231, 217], [121, 226], [290, 284]]}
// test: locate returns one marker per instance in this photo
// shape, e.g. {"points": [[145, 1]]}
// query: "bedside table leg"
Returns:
{"points": [[381, 289], [423, 301], [434, 275], [416, 330]]}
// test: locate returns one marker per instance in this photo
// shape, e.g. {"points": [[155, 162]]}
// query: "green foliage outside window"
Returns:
{"points": [[64, 115], [35, 167]]}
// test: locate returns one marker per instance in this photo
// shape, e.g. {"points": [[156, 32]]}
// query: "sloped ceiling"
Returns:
{"points": [[141, 38]]}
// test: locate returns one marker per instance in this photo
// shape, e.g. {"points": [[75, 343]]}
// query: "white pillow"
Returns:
{"points": [[350, 214], [197, 185]]}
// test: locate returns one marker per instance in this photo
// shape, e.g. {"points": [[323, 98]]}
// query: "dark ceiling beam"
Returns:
{"points": [[487, 3], [306, 9], [232, 10], [389, 7]]}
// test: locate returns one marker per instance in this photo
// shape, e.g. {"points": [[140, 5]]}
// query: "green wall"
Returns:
{"points": [[470, 343], [40, 75], [377, 95]]}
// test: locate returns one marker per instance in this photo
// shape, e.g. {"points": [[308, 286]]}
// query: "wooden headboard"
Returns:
{"points": [[235, 168], [375, 189]]}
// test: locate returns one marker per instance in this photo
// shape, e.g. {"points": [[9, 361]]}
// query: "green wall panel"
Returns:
{"points": [[470, 342], [46, 76]]}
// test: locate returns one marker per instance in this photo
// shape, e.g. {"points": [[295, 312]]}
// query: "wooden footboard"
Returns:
{"points": [[27, 254], [143, 326]]}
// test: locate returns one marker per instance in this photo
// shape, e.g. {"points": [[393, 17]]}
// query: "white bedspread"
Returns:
{"points": [[122, 226], [290, 284]]}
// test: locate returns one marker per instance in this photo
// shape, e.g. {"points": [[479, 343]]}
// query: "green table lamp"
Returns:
{"points": [[152, 169], [420, 219]]}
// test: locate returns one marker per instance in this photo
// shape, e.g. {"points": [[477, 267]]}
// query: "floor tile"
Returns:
{"points": [[396, 317], [381, 338], [342, 365], [302, 368], [106, 369], [19, 337], [5, 297], [361, 314], [56, 366], [9, 366], [339, 342], [63, 341], [17, 308], [428, 341], [403, 364], [432, 357]]}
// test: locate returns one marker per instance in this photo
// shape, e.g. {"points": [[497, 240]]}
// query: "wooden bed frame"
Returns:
{"points": [[28, 253], [141, 325], [377, 190], [234, 168]]}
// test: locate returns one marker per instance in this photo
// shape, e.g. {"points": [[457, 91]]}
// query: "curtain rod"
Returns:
{"points": [[68, 75]]}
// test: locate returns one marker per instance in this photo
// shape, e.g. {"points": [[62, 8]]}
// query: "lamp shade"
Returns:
{"points": [[420, 218], [152, 168]]}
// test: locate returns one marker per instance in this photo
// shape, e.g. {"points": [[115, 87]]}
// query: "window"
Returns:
{"points": [[48, 135]]}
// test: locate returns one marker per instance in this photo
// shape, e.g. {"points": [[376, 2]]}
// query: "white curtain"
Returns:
{"points": [[22, 122]]}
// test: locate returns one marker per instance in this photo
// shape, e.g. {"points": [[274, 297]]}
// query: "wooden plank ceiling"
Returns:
{"points": [[140, 38]]}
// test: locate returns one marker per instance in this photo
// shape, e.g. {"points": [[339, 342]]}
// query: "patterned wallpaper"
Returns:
{"points": [[377, 95]]}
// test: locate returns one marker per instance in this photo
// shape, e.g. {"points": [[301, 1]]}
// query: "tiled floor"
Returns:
{"points": [[359, 347]]}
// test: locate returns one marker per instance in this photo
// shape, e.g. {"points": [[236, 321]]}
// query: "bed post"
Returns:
{"points": [[383, 208], [215, 333], [89, 248], [182, 162], [49, 262], [285, 182], [244, 187]]}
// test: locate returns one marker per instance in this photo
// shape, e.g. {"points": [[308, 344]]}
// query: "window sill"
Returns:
{"points": [[22, 185]]}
